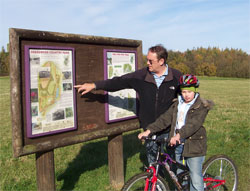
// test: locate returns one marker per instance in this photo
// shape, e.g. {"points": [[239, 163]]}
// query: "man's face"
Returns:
{"points": [[154, 65]]}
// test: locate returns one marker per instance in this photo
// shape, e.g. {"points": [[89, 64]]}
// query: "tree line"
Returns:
{"points": [[210, 62], [198, 61]]}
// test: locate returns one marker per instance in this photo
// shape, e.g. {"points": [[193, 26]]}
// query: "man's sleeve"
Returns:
{"points": [[126, 81], [162, 122]]}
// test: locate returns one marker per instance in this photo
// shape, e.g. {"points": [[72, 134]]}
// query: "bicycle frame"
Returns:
{"points": [[166, 163], [169, 161], [209, 181]]}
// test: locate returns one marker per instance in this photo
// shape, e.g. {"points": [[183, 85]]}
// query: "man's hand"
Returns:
{"points": [[175, 139], [85, 88], [144, 134]]}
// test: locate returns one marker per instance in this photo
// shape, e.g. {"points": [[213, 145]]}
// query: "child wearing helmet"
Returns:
{"points": [[186, 117]]}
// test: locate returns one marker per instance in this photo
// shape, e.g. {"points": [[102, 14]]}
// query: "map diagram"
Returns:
{"points": [[51, 91]]}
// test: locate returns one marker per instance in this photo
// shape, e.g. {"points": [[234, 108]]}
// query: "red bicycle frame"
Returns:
{"points": [[209, 181]]}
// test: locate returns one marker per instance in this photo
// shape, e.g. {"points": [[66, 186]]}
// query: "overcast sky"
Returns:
{"points": [[177, 24]]}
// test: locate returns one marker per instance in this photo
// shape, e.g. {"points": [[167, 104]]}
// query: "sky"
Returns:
{"points": [[177, 24]]}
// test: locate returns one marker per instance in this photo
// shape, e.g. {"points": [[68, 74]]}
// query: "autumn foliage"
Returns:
{"points": [[211, 62], [199, 61]]}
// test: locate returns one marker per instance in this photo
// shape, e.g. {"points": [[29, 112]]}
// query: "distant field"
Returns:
{"points": [[85, 167]]}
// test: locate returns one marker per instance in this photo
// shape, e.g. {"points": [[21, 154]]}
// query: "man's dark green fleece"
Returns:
{"points": [[153, 101]]}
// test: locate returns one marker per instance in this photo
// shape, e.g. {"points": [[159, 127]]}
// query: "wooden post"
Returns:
{"points": [[45, 171], [115, 161]]}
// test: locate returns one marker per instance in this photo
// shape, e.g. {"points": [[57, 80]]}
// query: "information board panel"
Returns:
{"points": [[50, 98], [86, 119], [121, 105]]}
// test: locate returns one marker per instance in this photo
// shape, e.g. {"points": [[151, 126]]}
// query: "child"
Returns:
{"points": [[186, 117]]}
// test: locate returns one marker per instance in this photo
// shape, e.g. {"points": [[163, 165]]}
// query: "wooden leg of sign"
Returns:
{"points": [[115, 160], [45, 171]]}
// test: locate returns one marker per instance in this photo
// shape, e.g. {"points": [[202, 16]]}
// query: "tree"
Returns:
{"points": [[4, 62], [206, 69]]}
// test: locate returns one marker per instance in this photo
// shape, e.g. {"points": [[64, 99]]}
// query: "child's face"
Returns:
{"points": [[187, 95]]}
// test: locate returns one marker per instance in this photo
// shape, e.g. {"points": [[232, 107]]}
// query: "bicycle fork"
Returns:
{"points": [[153, 180]]}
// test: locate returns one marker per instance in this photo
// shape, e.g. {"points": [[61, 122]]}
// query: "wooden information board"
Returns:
{"points": [[64, 60]]}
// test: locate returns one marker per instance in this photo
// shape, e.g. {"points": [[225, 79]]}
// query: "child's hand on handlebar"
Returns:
{"points": [[144, 134], [175, 139]]}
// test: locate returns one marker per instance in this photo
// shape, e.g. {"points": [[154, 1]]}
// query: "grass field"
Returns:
{"points": [[85, 167]]}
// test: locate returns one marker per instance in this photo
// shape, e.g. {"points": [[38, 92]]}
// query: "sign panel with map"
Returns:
{"points": [[50, 96], [121, 105]]}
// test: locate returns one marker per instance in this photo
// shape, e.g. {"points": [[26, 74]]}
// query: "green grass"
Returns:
{"points": [[85, 166]]}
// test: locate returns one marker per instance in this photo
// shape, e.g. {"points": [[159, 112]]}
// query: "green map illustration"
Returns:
{"points": [[49, 88], [127, 68], [110, 71]]}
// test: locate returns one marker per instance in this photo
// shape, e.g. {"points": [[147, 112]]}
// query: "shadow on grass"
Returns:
{"points": [[95, 155]]}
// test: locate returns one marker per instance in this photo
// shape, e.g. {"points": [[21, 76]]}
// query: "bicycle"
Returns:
{"points": [[219, 173]]}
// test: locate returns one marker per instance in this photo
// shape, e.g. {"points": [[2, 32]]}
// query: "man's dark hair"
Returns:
{"points": [[160, 51]]}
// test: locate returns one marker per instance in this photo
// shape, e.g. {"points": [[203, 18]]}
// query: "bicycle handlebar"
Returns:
{"points": [[161, 140], [153, 138]]}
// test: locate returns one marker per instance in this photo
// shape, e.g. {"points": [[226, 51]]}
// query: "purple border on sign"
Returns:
{"points": [[107, 120], [27, 89]]}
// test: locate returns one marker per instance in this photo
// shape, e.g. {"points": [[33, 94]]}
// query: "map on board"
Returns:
{"points": [[121, 104], [51, 91], [49, 87]]}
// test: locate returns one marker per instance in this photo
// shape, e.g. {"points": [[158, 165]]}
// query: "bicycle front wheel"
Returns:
{"points": [[137, 183], [221, 167]]}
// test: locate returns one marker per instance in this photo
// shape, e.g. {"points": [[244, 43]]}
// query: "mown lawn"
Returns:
{"points": [[85, 167]]}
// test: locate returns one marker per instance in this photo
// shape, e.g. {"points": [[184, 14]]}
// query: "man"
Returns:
{"points": [[156, 86]]}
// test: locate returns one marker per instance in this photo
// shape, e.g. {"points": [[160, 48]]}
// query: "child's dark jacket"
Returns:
{"points": [[193, 131]]}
